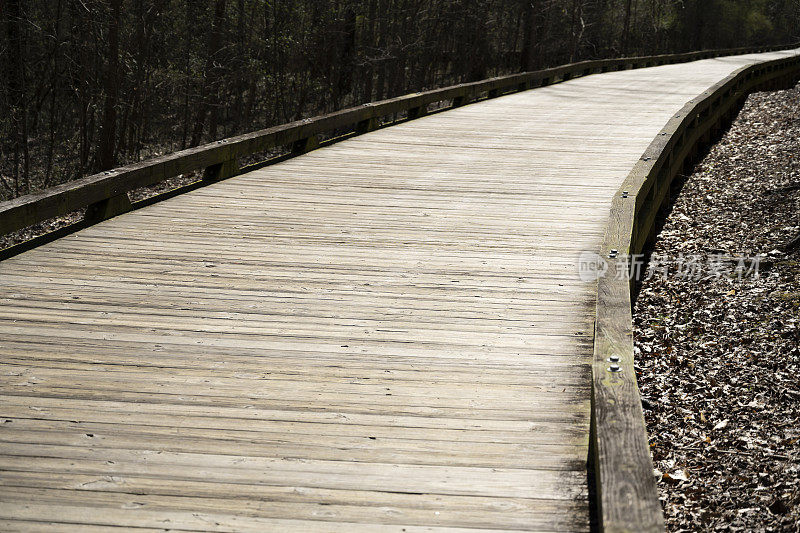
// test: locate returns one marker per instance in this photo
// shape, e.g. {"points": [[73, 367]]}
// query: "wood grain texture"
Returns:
{"points": [[384, 334], [628, 498]]}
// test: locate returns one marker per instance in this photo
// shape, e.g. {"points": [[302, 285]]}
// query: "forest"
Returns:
{"points": [[87, 85]]}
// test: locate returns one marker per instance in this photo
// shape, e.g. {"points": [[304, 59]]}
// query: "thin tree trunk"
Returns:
{"points": [[54, 77], [368, 44], [699, 24], [626, 27], [578, 27], [16, 73], [383, 50], [187, 70], [239, 81], [106, 152], [209, 97], [528, 60]]}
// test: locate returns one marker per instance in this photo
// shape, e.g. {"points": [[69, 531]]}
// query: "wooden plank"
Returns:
{"points": [[251, 500]]}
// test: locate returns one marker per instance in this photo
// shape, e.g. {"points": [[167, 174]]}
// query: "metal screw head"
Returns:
{"points": [[613, 359], [614, 368]]}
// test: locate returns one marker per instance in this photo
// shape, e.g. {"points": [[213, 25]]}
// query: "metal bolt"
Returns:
{"points": [[613, 359], [614, 368], [624, 194]]}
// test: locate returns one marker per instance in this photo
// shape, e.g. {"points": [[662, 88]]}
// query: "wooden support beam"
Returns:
{"points": [[108, 208], [302, 146], [417, 112], [366, 126], [221, 171]]}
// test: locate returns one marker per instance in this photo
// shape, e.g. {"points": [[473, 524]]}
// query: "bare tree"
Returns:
{"points": [[89, 84]]}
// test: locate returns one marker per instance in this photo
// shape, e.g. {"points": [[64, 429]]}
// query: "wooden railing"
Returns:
{"points": [[105, 194], [627, 496]]}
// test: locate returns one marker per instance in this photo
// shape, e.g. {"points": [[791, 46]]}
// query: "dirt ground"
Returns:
{"points": [[717, 331]]}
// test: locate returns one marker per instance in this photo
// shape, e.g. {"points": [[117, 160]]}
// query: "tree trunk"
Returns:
{"points": [[699, 24], [528, 37], [383, 50], [367, 46], [16, 72], [209, 97], [106, 151], [578, 27], [626, 27]]}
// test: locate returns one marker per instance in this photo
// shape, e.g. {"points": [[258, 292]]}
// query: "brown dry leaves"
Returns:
{"points": [[719, 359]]}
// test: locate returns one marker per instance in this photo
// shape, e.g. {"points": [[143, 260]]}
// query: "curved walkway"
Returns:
{"points": [[386, 334]]}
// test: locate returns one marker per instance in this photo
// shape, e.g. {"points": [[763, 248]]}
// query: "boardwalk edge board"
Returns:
{"points": [[627, 496], [105, 194]]}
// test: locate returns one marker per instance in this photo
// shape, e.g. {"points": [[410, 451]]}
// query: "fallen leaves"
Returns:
{"points": [[677, 475], [719, 359]]}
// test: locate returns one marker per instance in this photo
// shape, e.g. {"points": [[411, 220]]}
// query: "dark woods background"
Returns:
{"points": [[90, 84]]}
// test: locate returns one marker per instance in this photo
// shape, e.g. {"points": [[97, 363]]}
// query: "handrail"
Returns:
{"points": [[105, 194], [627, 496]]}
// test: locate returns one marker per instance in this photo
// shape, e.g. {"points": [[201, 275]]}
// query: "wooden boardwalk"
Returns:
{"points": [[386, 334]]}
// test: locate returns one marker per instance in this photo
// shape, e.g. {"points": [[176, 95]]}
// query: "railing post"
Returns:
{"points": [[301, 146], [417, 112], [367, 125], [221, 171], [458, 101], [108, 208]]}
